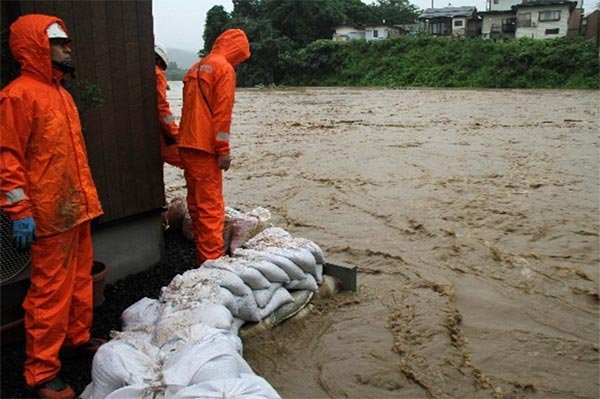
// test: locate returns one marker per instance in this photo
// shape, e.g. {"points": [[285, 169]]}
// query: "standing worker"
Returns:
{"points": [[208, 97], [46, 188], [168, 126]]}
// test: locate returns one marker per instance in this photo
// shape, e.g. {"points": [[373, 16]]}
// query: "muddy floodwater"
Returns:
{"points": [[472, 217]]}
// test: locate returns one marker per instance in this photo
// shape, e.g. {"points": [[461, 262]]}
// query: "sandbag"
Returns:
{"points": [[220, 277], [176, 212], [263, 297], [247, 386], [202, 362], [280, 298], [272, 272], [252, 277], [182, 291], [141, 316], [247, 308], [175, 322], [135, 392], [293, 271], [307, 283], [243, 227], [125, 360]]}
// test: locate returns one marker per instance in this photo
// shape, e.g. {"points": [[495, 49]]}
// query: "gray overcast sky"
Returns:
{"points": [[180, 23]]}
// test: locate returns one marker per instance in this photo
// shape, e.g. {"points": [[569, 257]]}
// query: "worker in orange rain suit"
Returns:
{"points": [[46, 188], [208, 97], [168, 126]]}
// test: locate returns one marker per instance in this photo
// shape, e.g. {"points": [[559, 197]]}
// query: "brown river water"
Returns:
{"points": [[473, 219]]}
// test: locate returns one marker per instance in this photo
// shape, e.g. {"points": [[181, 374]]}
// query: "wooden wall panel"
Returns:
{"points": [[113, 45]]}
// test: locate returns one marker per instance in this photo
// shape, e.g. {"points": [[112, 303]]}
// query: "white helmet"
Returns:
{"points": [[161, 51], [55, 31]]}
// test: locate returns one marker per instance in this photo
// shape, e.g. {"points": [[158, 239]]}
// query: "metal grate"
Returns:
{"points": [[12, 261]]}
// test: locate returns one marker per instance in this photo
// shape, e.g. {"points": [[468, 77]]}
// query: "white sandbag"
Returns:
{"points": [[236, 325], [269, 237], [307, 283], [272, 272], [230, 215], [141, 316], [319, 273], [314, 249], [120, 362], [175, 322], [135, 392], [252, 277], [181, 291], [293, 271], [247, 386], [202, 362], [247, 225], [247, 308], [199, 333], [221, 277], [300, 256], [263, 297], [243, 228], [279, 298]]}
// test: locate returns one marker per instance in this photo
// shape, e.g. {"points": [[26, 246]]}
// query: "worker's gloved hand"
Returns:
{"points": [[23, 232], [224, 161]]}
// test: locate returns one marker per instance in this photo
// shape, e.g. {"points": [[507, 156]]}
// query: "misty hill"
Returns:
{"points": [[183, 58]]}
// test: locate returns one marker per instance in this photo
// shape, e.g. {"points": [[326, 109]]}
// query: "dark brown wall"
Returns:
{"points": [[592, 30], [113, 48]]}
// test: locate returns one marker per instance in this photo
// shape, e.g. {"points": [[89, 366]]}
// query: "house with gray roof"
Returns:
{"points": [[451, 21]]}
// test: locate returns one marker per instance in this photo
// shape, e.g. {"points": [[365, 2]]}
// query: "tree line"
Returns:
{"points": [[291, 45]]}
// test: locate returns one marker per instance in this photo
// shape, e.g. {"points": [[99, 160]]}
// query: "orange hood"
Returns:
{"points": [[233, 45], [30, 45]]}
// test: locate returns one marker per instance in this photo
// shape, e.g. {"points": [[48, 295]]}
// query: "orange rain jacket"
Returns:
{"points": [[44, 169], [168, 126], [209, 93]]}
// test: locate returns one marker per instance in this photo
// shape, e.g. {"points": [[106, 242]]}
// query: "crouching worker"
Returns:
{"points": [[208, 97], [46, 188], [168, 127]]}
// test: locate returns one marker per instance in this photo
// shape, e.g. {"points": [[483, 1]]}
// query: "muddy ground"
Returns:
{"points": [[473, 219]]}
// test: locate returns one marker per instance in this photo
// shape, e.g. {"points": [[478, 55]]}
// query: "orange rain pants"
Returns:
{"points": [[205, 201], [58, 305]]}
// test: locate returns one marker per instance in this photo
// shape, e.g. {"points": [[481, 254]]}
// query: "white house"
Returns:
{"points": [[369, 33], [546, 19], [346, 33], [380, 32], [500, 24]]}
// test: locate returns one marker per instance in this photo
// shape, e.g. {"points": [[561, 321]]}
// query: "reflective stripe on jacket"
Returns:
{"points": [[209, 93], [44, 169]]}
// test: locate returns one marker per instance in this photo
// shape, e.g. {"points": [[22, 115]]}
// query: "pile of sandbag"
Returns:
{"points": [[239, 226], [186, 343]]}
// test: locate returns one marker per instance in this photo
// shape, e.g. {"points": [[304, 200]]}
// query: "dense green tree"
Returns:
{"points": [[216, 20], [355, 12], [304, 21], [395, 12], [247, 9]]}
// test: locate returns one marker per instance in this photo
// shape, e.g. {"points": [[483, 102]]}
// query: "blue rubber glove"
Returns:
{"points": [[23, 232]]}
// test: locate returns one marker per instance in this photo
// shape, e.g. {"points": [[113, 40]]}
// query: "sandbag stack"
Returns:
{"points": [[186, 343], [239, 226]]}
